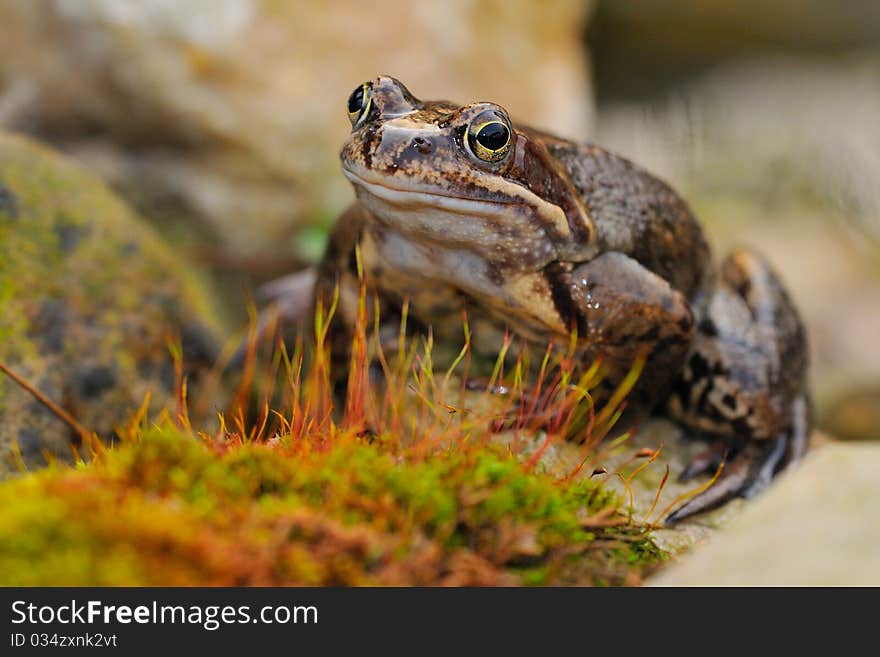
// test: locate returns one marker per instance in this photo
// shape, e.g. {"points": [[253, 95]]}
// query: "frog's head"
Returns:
{"points": [[462, 176]]}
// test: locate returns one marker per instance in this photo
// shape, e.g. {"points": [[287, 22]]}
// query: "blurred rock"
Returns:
{"points": [[812, 528], [769, 129], [229, 114], [856, 416], [89, 298], [642, 48]]}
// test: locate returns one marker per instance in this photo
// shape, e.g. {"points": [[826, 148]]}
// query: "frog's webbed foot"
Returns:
{"points": [[799, 438], [745, 474], [292, 293], [748, 467]]}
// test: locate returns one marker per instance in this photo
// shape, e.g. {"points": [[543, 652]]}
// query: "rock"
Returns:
{"points": [[89, 297], [815, 527], [855, 415], [230, 113], [643, 47]]}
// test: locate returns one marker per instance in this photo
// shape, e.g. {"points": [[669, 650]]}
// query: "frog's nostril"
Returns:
{"points": [[422, 145]]}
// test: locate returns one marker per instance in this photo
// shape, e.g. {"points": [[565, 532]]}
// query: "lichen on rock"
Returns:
{"points": [[89, 300]]}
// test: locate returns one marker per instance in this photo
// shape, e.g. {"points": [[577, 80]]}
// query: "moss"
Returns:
{"points": [[84, 286], [171, 509]]}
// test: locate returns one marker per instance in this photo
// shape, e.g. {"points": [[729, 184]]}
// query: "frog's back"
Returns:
{"points": [[636, 213]]}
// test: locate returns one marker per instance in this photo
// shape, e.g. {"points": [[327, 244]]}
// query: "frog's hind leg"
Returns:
{"points": [[621, 313], [744, 383]]}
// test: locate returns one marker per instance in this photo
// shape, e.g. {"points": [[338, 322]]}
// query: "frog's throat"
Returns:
{"points": [[550, 215]]}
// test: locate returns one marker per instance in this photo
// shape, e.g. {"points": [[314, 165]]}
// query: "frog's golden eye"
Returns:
{"points": [[359, 103], [489, 137]]}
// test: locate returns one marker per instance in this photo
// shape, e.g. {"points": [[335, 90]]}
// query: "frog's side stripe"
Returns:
{"points": [[539, 171]]}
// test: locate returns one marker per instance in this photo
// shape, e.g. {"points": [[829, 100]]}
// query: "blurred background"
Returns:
{"points": [[220, 122]]}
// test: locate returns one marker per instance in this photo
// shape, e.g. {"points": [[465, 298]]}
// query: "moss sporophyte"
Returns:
{"points": [[419, 480]]}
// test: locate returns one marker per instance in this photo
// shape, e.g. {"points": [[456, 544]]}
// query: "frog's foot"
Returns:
{"points": [[744, 475], [747, 470], [293, 293], [706, 461], [800, 430]]}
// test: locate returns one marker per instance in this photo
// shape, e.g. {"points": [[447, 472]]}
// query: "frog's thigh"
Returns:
{"points": [[624, 311], [745, 374]]}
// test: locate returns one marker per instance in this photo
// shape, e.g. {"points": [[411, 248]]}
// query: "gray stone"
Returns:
{"points": [[816, 527], [84, 318]]}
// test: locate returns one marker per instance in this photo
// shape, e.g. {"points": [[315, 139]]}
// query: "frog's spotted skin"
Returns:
{"points": [[459, 208]]}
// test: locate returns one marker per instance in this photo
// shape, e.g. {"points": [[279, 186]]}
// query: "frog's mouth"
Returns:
{"points": [[402, 198], [498, 230]]}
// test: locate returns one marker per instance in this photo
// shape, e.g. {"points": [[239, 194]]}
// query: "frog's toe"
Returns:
{"points": [[784, 451], [765, 467], [744, 475], [800, 430], [733, 479], [705, 461]]}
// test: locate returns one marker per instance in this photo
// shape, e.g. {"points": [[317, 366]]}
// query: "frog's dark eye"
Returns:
{"points": [[359, 103], [488, 137]]}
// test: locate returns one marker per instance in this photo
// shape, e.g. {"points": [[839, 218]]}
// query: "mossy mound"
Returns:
{"points": [[170, 509], [89, 299]]}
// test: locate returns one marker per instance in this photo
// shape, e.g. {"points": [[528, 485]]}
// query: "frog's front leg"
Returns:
{"points": [[623, 311], [744, 381]]}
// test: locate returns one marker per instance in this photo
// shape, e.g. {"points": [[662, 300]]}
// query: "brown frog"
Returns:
{"points": [[460, 208]]}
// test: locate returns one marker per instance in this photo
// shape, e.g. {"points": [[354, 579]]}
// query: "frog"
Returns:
{"points": [[459, 209]]}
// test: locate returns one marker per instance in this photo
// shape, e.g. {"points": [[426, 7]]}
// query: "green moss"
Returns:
{"points": [[169, 509]]}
